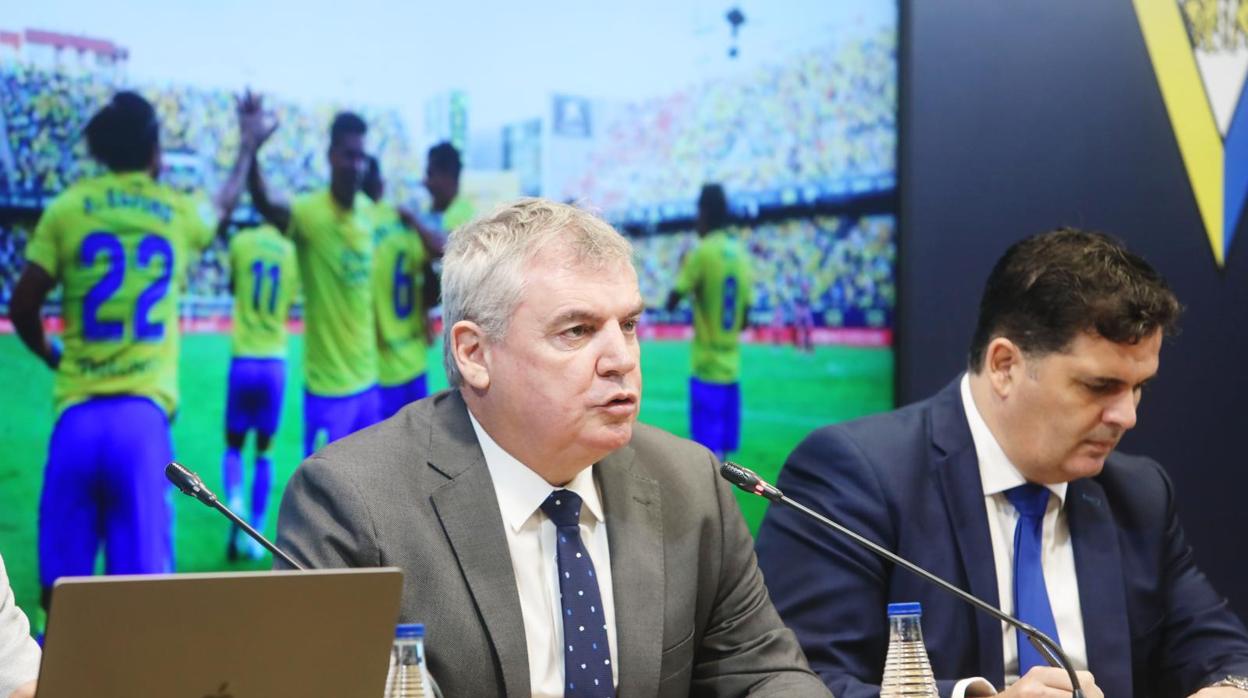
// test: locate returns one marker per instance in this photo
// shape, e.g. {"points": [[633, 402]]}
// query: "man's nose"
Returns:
{"points": [[1121, 412], [619, 351]]}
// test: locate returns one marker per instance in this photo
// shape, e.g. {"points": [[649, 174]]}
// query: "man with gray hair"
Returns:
{"points": [[551, 545]]}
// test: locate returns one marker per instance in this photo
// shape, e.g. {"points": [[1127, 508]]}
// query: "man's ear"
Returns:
{"points": [[1003, 362], [468, 348]]}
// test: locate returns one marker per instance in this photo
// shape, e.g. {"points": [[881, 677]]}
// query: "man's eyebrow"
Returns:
{"points": [[576, 315], [580, 315], [1114, 381]]}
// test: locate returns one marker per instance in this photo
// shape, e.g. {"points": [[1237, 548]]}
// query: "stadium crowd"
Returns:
{"points": [[44, 111], [840, 268], [824, 116]]}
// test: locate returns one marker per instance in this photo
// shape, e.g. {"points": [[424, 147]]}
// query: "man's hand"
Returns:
{"points": [[1042, 680], [254, 124], [26, 690], [1220, 692]]}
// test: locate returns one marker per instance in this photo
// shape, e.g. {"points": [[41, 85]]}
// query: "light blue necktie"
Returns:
{"points": [[586, 654], [1031, 597]]}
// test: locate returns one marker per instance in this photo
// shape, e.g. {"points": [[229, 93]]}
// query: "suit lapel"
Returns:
{"points": [[957, 468], [635, 535], [1098, 565], [468, 510]]}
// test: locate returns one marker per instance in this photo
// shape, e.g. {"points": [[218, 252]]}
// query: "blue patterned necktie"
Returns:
{"points": [[586, 654], [1031, 596]]}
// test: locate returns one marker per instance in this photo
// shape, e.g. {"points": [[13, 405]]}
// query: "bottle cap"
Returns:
{"points": [[910, 608], [409, 630]]}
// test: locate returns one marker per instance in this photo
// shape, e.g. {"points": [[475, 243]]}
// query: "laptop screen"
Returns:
{"points": [[221, 635]]}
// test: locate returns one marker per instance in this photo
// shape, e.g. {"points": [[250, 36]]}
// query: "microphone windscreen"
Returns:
{"points": [[188, 482], [738, 476]]}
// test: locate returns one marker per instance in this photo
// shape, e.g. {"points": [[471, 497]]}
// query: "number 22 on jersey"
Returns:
{"points": [[153, 254]]}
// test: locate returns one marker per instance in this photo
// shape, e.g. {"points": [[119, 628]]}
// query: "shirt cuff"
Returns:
{"points": [[981, 686]]}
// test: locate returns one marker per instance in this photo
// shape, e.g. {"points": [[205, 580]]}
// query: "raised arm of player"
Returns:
{"points": [[251, 136], [435, 240], [255, 127], [32, 289]]}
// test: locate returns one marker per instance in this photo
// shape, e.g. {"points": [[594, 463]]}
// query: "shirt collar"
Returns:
{"points": [[521, 491], [996, 472]]}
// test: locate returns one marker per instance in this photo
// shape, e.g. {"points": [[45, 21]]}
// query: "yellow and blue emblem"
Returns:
{"points": [[1199, 50]]}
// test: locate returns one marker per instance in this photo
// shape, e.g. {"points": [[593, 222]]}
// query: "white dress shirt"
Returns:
{"points": [[1057, 554], [19, 655], [531, 540]]}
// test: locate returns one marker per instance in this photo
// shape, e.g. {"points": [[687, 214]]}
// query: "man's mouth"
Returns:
{"points": [[1102, 445], [620, 401]]}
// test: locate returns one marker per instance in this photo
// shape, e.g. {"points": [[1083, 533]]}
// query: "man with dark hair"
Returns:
{"points": [[448, 210], [119, 245], [333, 234], [346, 125], [124, 136], [717, 274], [1006, 483]]}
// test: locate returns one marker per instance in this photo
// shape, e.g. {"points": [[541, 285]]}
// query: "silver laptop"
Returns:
{"points": [[222, 635]]}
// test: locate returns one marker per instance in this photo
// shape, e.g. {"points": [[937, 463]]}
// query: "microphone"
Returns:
{"points": [[192, 486], [747, 480]]}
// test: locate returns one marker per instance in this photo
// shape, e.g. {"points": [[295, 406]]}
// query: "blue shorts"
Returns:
{"points": [[394, 397], [715, 415], [105, 484], [327, 419], [254, 397]]}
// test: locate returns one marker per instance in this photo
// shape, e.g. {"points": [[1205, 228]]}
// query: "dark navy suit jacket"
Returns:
{"points": [[909, 480]]}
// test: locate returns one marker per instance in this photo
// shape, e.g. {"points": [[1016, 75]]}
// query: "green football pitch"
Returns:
{"points": [[786, 394]]}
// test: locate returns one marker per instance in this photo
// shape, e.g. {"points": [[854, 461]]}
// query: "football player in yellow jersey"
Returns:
{"points": [[333, 234], [404, 287], [449, 210], [717, 273], [263, 278], [118, 245], [404, 280]]}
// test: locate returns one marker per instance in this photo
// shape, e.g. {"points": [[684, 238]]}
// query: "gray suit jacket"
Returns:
{"points": [[692, 614]]}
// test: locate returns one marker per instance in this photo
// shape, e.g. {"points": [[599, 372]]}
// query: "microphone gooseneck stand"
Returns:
{"points": [[747, 480]]}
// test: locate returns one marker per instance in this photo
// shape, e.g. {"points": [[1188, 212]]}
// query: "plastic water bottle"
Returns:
{"points": [[907, 671], [407, 677]]}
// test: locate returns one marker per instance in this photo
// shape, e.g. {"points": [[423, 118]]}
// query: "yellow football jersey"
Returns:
{"points": [[265, 278], [120, 244], [334, 247]]}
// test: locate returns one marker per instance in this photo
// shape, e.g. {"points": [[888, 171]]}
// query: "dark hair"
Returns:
{"points": [[124, 134], [1048, 288], [371, 184], [346, 124], [444, 158], [713, 206]]}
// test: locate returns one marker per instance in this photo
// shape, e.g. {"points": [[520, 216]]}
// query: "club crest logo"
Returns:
{"points": [[1199, 51]]}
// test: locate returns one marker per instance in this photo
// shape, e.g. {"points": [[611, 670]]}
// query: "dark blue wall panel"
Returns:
{"points": [[1019, 117]]}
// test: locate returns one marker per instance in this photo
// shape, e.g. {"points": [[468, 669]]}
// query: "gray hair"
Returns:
{"points": [[483, 269]]}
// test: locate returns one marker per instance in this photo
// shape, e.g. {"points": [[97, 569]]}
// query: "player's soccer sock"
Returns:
{"points": [[232, 477], [260, 491], [260, 500], [232, 480]]}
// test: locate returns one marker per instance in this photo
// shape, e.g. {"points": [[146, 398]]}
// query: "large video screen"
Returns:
{"points": [[626, 109]]}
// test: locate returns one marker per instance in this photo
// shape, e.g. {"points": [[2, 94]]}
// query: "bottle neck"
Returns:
{"points": [[906, 628]]}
